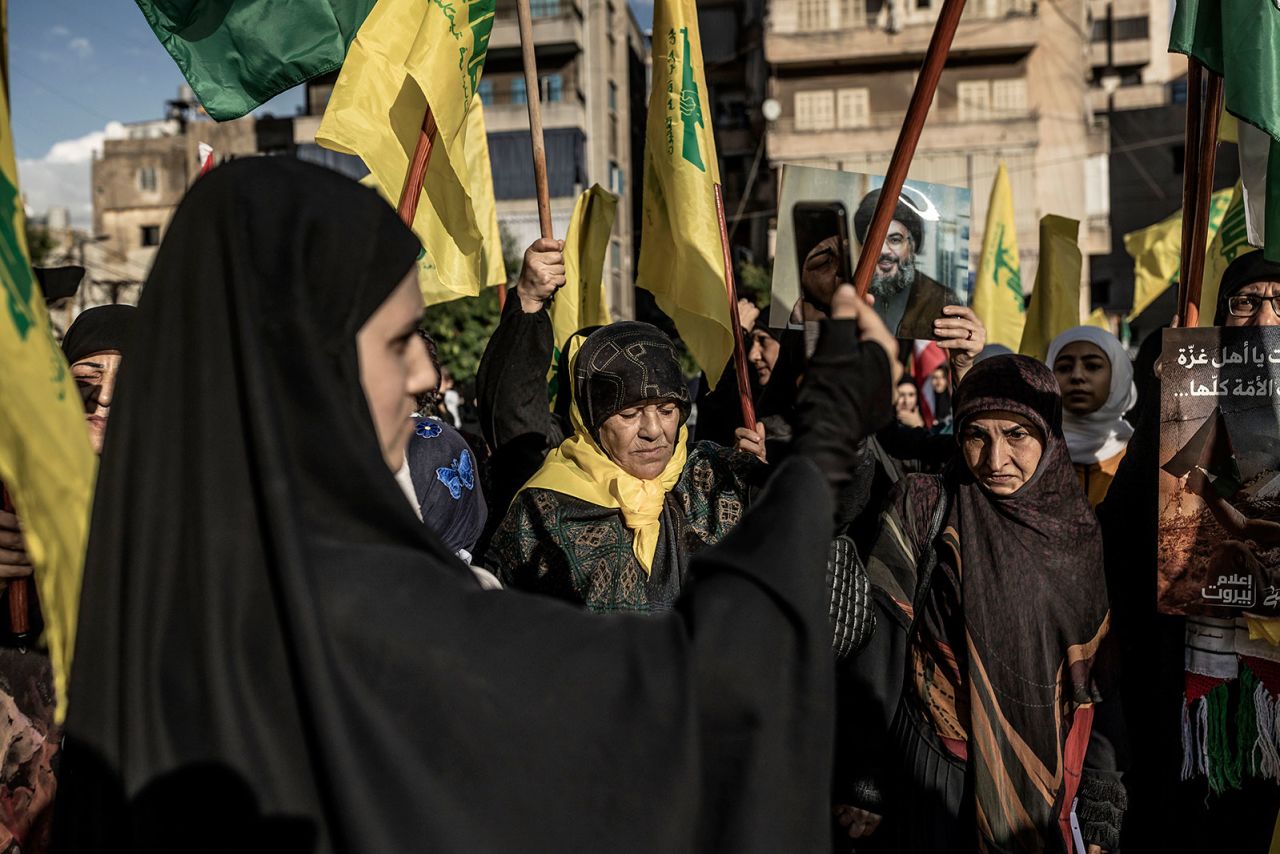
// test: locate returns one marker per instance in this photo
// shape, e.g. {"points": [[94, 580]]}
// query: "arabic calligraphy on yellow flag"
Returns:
{"points": [[1055, 303], [405, 56], [45, 458], [681, 260], [997, 290]]}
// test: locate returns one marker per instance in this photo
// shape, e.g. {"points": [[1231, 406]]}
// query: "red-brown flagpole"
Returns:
{"points": [[19, 589], [936, 56], [739, 349], [412, 191], [1199, 159]]}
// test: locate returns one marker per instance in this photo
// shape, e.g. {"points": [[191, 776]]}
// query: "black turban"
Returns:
{"points": [[903, 213]]}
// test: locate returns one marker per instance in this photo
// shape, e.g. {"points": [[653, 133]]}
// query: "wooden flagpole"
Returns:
{"points": [[19, 590], [936, 56], [533, 95], [412, 190], [1199, 160], [739, 348]]}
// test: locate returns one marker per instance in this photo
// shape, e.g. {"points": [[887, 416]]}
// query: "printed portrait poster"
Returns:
{"points": [[1219, 528], [922, 266]]}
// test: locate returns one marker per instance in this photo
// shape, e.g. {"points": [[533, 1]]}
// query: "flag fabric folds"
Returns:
{"points": [[681, 257], [581, 302], [1157, 252], [1230, 241], [997, 292], [1055, 303], [406, 56], [1240, 39], [236, 56], [45, 459]]}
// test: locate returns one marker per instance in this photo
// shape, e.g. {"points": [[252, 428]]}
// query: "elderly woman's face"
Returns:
{"points": [[1084, 377], [1002, 449], [641, 439], [1253, 305], [95, 377], [394, 367]]}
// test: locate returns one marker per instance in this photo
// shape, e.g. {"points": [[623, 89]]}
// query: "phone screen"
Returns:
{"points": [[822, 250]]}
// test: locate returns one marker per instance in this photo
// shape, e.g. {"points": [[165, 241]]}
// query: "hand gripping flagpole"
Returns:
{"points": [[1199, 159], [936, 56]]}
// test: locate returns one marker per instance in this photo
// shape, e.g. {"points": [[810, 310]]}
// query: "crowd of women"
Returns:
{"points": [[316, 617]]}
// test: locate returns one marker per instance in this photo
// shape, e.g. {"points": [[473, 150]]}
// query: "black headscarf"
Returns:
{"points": [[1245, 270], [97, 330], [447, 484], [274, 650], [623, 364]]}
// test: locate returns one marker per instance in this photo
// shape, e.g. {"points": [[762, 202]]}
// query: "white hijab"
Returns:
{"points": [[1099, 435]]}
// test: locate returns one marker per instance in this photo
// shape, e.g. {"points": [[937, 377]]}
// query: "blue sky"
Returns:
{"points": [[78, 66]]}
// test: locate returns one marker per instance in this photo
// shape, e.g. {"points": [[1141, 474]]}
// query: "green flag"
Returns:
{"points": [[1240, 39], [238, 55]]}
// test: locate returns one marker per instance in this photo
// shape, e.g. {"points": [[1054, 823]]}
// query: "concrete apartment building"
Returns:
{"points": [[1015, 89], [591, 57]]}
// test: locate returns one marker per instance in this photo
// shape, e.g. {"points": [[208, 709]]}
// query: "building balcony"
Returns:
{"points": [[555, 23], [1141, 97], [555, 114], [1003, 34], [944, 129]]}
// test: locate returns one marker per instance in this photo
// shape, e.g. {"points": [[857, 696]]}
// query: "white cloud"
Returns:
{"points": [[80, 47], [59, 31], [61, 178]]}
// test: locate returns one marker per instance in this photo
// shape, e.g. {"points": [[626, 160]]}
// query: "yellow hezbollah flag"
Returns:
{"points": [[493, 269], [405, 56], [45, 458], [681, 259], [581, 301], [1230, 242], [1157, 253], [1055, 303], [997, 292]]}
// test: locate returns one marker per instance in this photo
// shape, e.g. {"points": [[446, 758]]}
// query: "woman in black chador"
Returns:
{"points": [[274, 654]]}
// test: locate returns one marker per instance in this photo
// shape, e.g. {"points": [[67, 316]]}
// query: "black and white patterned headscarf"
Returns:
{"points": [[624, 364]]}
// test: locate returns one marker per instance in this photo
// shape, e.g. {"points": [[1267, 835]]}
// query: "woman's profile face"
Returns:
{"points": [[1002, 449], [1084, 376], [641, 439], [394, 367], [95, 376]]}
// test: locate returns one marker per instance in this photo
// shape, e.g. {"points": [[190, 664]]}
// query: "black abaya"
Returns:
{"points": [[275, 654]]}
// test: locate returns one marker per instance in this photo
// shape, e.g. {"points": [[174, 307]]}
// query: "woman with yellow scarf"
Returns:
{"points": [[612, 517]]}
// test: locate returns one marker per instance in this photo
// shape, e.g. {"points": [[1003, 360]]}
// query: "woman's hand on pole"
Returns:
{"points": [[542, 273], [962, 335], [751, 441]]}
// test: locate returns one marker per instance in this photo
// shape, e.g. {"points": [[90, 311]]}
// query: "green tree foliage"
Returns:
{"points": [[39, 243], [756, 284], [462, 327]]}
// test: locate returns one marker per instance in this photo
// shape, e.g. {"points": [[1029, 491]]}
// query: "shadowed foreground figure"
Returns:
{"points": [[274, 654]]}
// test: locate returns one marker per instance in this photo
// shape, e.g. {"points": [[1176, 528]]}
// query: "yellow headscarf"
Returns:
{"points": [[580, 468]]}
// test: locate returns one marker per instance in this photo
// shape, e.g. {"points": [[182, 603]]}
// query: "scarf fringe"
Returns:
{"points": [[1228, 752]]}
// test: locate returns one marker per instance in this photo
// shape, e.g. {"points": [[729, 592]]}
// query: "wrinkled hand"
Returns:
{"points": [[14, 561], [859, 823], [871, 329], [542, 273], [748, 314], [751, 441], [962, 335]]}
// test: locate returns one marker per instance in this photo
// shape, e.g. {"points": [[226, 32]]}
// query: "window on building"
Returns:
{"points": [[615, 178], [974, 97], [485, 91], [1009, 97], [613, 96], [1131, 29], [544, 8], [815, 110], [813, 15], [1098, 31], [519, 94], [150, 235], [1097, 186], [853, 13], [147, 178], [853, 108], [617, 256], [552, 86]]}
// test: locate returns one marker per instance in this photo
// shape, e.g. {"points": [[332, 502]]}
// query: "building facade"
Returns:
{"points": [[1015, 90]]}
